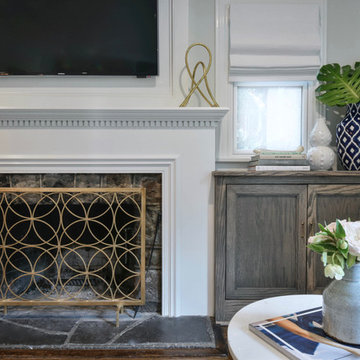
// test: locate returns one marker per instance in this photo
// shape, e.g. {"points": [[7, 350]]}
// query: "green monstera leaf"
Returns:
{"points": [[340, 86]]}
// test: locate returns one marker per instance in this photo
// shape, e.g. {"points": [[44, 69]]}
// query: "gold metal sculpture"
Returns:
{"points": [[195, 85], [72, 246]]}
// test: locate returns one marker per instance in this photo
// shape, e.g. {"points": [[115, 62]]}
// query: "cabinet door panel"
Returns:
{"points": [[326, 204], [265, 253]]}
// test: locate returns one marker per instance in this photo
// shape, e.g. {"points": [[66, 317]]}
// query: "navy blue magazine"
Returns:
{"points": [[300, 336]]}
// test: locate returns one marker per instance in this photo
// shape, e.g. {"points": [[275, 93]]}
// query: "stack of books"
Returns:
{"points": [[279, 161]]}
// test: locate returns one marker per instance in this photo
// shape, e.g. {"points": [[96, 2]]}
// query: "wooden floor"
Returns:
{"points": [[220, 352]]}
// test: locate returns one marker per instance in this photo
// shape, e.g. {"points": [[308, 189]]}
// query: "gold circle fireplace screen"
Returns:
{"points": [[72, 246]]}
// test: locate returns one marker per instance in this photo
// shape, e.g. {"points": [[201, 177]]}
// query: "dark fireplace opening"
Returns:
{"points": [[91, 252]]}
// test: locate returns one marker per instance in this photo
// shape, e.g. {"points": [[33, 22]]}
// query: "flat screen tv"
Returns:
{"points": [[78, 37]]}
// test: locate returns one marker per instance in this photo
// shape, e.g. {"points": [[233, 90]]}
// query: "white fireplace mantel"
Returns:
{"points": [[179, 143], [114, 118]]}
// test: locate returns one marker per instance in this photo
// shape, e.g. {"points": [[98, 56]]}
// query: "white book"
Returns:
{"points": [[278, 156], [280, 167]]}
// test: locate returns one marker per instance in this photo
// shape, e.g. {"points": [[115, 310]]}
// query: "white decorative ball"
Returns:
{"points": [[321, 158]]}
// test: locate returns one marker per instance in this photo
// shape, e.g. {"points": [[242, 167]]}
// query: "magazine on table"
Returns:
{"points": [[300, 336]]}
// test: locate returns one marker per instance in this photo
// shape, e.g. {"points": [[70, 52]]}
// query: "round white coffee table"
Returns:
{"points": [[243, 344]]}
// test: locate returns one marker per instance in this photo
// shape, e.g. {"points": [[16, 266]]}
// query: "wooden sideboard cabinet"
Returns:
{"points": [[262, 223]]}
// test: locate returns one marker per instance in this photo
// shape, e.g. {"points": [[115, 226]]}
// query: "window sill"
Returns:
{"points": [[240, 162]]}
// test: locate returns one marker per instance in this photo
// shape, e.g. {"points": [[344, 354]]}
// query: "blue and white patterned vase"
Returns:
{"points": [[348, 138]]}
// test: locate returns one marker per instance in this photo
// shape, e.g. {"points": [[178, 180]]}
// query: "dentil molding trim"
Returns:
{"points": [[114, 118]]}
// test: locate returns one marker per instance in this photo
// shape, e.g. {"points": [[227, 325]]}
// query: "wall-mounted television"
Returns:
{"points": [[78, 37]]}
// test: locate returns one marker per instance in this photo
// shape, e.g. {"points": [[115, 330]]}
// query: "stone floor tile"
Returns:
{"points": [[15, 335], [51, 324], [97, 332], [171, 331]]}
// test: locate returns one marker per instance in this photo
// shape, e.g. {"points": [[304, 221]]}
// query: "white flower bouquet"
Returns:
{"points": [[339, 246]]}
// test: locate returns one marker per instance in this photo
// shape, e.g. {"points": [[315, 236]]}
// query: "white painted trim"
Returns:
{"points": [[170, 298], [166, 166], [120, 118], [319, 109], [224, 90]]}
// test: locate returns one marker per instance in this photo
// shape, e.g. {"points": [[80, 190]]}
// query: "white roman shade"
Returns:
{"points": [[274, 40]]}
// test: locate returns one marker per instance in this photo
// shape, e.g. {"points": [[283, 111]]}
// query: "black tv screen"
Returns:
{"points": [[78, 37]]}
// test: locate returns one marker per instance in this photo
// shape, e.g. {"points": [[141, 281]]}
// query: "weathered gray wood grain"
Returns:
{"points": [[259, 248], [262, 223], [263, 227], [326, 203], [302, 174], [220, 246]]}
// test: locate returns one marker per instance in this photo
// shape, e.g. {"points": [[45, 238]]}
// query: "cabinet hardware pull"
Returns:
{"points": [[310, 229], [302, 230]]}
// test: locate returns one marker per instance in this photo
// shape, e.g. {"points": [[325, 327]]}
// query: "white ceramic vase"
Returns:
{"points": [[320, 155]]}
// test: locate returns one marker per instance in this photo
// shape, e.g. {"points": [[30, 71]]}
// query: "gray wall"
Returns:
{"points": [[343, 29], [343, 44]]}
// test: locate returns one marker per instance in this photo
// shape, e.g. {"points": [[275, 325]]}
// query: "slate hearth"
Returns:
{"points": [[79, 328]]}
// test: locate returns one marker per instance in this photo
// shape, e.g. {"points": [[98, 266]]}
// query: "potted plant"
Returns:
{"points": [[340, 86], [339, 246]]}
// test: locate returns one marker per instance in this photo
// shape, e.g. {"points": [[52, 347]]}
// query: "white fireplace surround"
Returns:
{"points": [[177, 143]]}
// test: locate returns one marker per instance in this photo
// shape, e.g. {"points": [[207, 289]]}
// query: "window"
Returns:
{"points": [[267, 74], [269, 115]]}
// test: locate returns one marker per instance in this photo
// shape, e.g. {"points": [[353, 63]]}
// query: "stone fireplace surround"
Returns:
{"points": [[177, 143]]}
